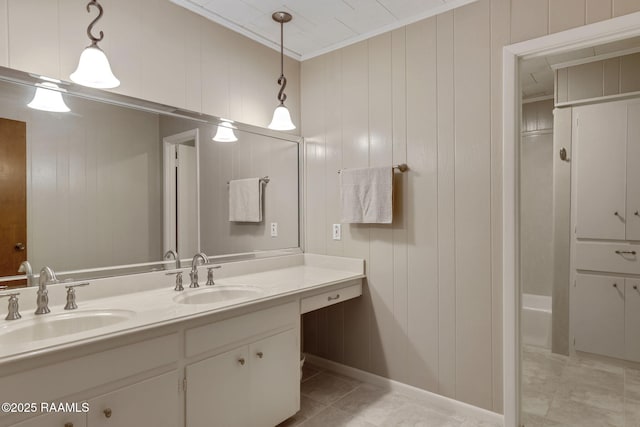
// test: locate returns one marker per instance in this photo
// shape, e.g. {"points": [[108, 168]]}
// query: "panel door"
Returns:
{"points": [[152, 402], [599, 314], [217, 390], [633, 171], [56, 420], [632, 320], [275, 378], [599, 145]]}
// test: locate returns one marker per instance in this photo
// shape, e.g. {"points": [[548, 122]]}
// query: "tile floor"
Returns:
{"points": [[578, 391], [332, 400]]}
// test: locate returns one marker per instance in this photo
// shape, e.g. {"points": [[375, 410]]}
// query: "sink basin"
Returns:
{"points": [[58, 325], [217, 294]]}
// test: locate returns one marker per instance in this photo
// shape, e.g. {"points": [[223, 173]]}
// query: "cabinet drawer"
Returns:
{"points": [[609, 257], [237, 329], [329, 298]]}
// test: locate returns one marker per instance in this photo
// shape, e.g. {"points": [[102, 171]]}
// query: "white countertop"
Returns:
{"points": [[149, 298]]}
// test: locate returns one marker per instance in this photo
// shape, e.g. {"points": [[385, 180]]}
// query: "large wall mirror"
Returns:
{"points": [[117, 181]]}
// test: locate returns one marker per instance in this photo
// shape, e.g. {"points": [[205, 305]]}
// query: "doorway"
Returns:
{"points": [[182, 193], [13, 198]]}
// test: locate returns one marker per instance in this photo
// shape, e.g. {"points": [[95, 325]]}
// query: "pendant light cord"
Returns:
{"points": [[282, 80], [94, 39]]}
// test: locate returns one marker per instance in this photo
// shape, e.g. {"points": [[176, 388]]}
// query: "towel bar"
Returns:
{"points": [[401, 167], [263, 180]]}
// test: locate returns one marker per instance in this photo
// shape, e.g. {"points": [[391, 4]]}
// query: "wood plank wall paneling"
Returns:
{"points": [[158, 50], [432, 315]]}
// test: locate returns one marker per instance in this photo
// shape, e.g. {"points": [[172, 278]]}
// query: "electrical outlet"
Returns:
{"points": [[337, 231], [274, 229]]}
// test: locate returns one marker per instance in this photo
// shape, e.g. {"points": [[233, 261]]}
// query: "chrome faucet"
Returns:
{"points": [[25, 267], [194, 268], [47, 276], [173, 254]]}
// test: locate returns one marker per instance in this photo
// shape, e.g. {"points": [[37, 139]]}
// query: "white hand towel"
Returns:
{"points": [[245, 200], [367, 195]]}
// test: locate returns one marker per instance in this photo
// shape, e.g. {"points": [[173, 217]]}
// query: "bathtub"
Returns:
{"points": [[535, 320]]}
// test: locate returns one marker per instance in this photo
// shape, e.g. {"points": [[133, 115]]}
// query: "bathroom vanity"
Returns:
{"points": [[138, 353]]}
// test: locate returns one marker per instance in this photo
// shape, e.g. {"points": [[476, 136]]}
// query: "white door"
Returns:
{"points": [[275, 379], [599, 314], [633, 171], [632, 320], [599, 146], [217, 390], [153, 402], [187, 201]]}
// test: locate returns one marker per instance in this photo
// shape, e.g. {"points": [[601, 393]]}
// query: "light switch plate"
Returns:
{"points": [[337, 231], [274, 229]]}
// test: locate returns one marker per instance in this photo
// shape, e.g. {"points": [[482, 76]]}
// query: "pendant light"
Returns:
{"points": [[93, 68], [225, 133], [281, 116], [48, 97]]}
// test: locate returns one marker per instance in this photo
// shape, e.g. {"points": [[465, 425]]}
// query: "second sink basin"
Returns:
{"points": [[217, 294], [58, 325]]}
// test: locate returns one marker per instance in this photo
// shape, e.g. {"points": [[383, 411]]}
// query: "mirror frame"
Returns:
{"points": [[11, 75]]}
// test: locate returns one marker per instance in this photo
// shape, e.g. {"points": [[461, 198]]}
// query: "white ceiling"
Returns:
{"points": [[536, 74], [318, 26]]}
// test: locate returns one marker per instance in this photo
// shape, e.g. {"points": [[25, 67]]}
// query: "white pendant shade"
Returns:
{"points": [[225, 133], [47, 98], [94, 70], [281, 119]]}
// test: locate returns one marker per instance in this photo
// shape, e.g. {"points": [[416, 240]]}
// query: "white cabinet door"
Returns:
{"points": [[217, 390], [599, 314], [275, 379], [632, 320], [55, 420], [153, 402], [599, 146], [633, 171]]}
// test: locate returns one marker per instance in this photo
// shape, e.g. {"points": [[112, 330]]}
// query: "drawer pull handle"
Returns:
{"points": [[260, 354], [241, 361], [107, 412], [626, 252], [68, 424], [333, 298]]}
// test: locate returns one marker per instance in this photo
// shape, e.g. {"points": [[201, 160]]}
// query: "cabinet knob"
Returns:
{"points": [[241, 361], [635, 287], [615, 285], [636, 213], [68, 424], [107, 413], [260, 354]]}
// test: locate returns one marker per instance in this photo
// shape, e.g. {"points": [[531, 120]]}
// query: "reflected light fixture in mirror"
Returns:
{"points": [[281, 116], [93, 68], [48, 97], [225, 133]]}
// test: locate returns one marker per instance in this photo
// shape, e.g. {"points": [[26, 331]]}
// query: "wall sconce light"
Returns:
{"points": [[93, 68], [48, 97], [281, 116]]}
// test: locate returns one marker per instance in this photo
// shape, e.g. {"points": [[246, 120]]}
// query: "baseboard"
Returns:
{"points": [[438, 401]]}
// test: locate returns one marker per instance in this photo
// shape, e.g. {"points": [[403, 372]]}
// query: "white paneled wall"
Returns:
{"points": [[428, 94], [158, 50]]}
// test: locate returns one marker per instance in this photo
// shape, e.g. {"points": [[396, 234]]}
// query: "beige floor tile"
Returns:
{"points": [[326, 388], [578, 374], [308, 408], [590, 395], [530, 420], [415, 415], [571, 413], [372, 403], [334, 417], [309, 371], [535, 402], [632, 384]]}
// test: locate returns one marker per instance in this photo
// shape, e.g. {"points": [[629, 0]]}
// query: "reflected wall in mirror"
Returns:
{"points": [[579, 194], [86, 189]]}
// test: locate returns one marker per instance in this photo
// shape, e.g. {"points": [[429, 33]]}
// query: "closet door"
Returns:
{"points": [[599, 145], [633, 171]]}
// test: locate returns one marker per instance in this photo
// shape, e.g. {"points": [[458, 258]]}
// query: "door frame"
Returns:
{"points": [[169, 185], [601, 32]]}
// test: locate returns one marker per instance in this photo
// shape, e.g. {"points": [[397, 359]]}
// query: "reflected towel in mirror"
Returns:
{"points": [[245, 200]]}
